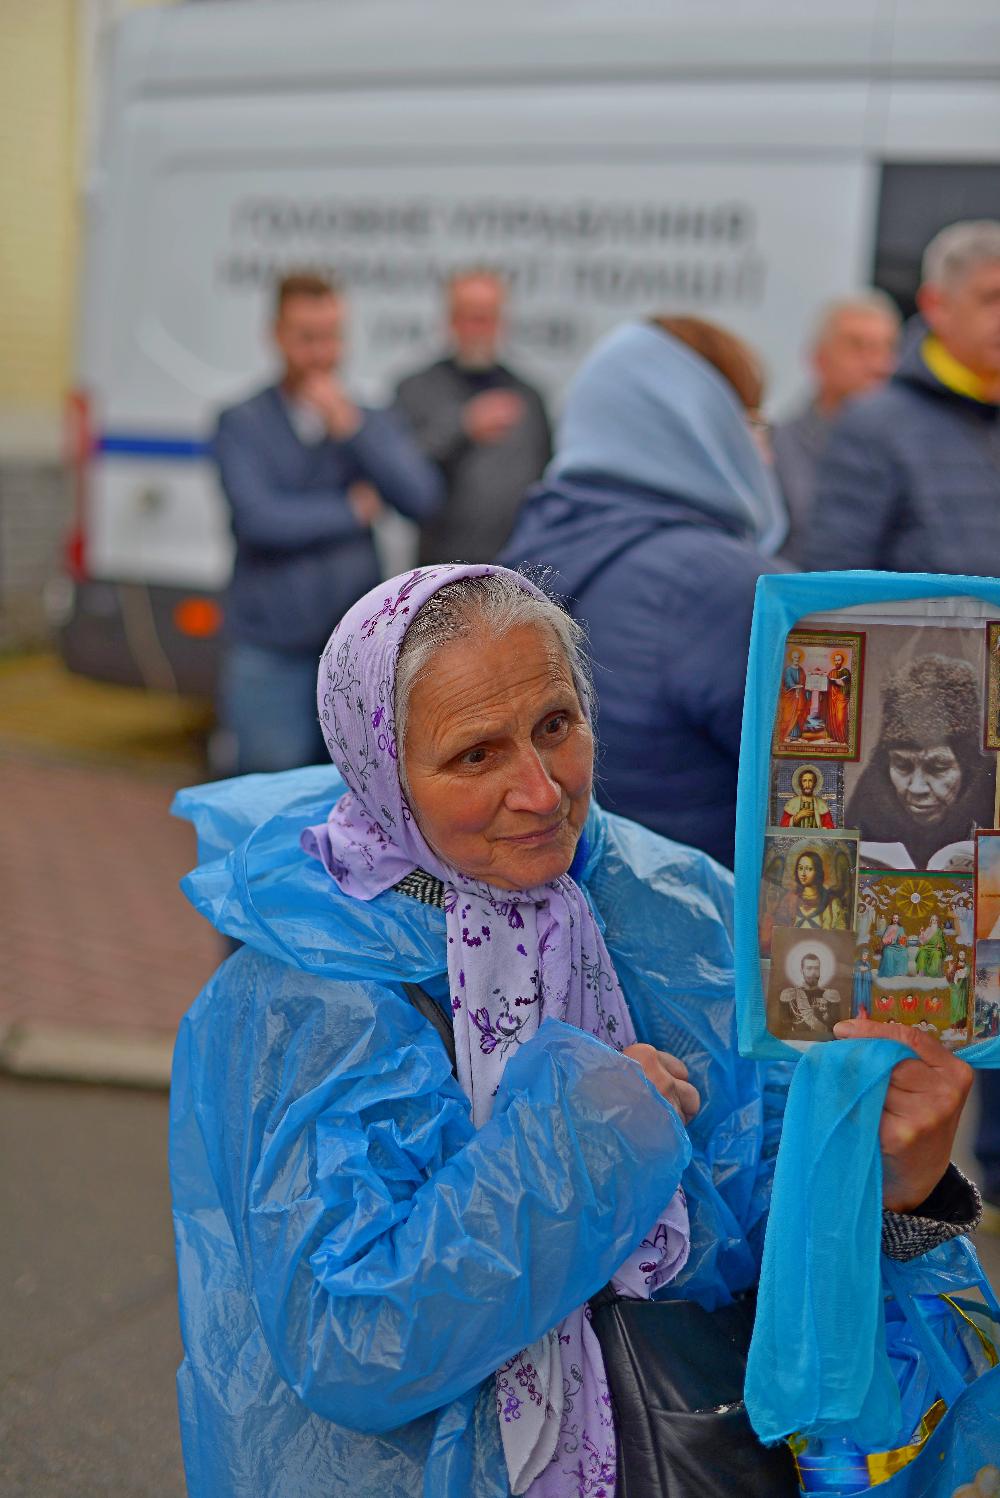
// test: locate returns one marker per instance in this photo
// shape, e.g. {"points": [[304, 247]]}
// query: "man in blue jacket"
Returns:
{"points": [[910, 478], [298, 464]]}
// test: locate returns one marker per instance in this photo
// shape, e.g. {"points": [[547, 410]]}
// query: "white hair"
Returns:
{"points": [[959, 249], [871, 299], [493, 603]]}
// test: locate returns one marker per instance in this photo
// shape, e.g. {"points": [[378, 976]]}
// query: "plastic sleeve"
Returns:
{"points": [[388, 1284]]}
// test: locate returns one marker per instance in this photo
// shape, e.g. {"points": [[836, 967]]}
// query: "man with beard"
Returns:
{"points": [[482, 425], [812, 1009]]}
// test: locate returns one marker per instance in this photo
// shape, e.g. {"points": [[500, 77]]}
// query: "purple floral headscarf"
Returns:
{"points": [[515, 957]]}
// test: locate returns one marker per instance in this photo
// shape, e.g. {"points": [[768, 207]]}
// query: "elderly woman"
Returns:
{"points": [[928, 784], [385, 1266]]}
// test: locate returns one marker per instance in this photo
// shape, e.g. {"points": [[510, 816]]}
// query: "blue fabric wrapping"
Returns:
{"points": [[355, 1260], [818, 1361]]}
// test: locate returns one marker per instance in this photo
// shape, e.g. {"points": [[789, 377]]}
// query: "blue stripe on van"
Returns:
{"points": [[132, 445]]}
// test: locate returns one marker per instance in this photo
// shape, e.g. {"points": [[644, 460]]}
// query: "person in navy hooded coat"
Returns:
{"points": [[657, 515]]}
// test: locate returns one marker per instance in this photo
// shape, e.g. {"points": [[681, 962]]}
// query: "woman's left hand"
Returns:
{"points": [[922, 1108]]}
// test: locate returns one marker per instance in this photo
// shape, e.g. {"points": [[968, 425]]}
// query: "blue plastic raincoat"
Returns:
{"points": [[355, 1260]]}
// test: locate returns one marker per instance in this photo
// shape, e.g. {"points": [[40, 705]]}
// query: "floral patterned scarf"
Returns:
{"points": [[515, 957]]}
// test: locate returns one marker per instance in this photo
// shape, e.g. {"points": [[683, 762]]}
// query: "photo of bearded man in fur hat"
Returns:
{"points": [[927, 784]]}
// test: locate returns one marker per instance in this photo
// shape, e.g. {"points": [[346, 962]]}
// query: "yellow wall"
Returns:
{"points": [[43, 83], [38, 115]]}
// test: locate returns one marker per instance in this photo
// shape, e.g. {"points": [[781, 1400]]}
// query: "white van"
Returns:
{"points": [[745, 159]]}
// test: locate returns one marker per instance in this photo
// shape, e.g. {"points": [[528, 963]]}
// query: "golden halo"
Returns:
{"points": [[797, 779]]}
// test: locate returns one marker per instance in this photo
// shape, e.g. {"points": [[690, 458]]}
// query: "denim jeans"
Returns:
{"points": [[267, 709]]}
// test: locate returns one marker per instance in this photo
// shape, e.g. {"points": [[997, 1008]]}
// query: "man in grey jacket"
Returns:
{"points": [[483, 426], [853, 351]]}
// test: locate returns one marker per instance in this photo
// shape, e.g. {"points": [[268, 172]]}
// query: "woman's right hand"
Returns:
{"points": [[669, 1076]]}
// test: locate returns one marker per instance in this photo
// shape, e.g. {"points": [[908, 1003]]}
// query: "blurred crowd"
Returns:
{"points": [[662, 499]]}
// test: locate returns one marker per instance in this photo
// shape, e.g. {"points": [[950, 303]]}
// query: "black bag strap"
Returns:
{"points": [[432, 1011]]}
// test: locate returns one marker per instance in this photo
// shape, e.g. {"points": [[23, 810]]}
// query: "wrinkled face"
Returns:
{"points": [[966, 318], [808, 870], [927, 781], [309, 333], [857, 352], [475, 318], [807, 782], [500, 758], [810, 972]]}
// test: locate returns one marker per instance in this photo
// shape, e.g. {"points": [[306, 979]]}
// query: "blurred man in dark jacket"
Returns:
{"points": [[298, 463], [484, 427], [910, 478], [853, 351]]}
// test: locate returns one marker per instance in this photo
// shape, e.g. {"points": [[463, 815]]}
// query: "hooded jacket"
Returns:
{"points": [[909, 480], [355, 1258], [655, 515]]}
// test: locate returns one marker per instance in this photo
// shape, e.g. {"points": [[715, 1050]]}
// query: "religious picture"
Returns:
{"points": [[922, 785], [808, 882], [991, 734], [986, 1019], [809, 984], [806, 796], [988, 886], [915, 950], [819, 701]]}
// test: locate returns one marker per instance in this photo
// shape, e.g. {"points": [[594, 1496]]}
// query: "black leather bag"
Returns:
{"points": [[676, 1375]]}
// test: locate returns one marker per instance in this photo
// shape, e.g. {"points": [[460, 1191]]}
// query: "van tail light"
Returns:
{"points": [[79, 448], [199, 618]]}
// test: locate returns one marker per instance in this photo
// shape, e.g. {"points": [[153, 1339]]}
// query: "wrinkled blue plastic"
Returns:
{"points": [[355, 1260], [821, 1284]]}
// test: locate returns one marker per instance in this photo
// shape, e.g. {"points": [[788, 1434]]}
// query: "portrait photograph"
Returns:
{"points": [[988, 886], [806, 794], [807, 883], [923, 784], [820, 696], [916, 950], [986, 1019], [809, 984], [991, 690]]}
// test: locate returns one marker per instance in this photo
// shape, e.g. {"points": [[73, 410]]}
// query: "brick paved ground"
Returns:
{"points": [[93, 930], [94, 933]]}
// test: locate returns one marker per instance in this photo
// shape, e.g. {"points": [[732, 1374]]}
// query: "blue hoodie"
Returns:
{"points": [[655, 515]]}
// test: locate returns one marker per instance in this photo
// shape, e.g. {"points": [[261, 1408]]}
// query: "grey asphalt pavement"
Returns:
{"points": [[89, 1322], [90, 1341]]}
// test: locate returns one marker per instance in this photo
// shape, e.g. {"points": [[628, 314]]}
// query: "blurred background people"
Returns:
{"points": [[658, 514], [484, 427], [299, 463], [853, 350], [910, 477]]}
